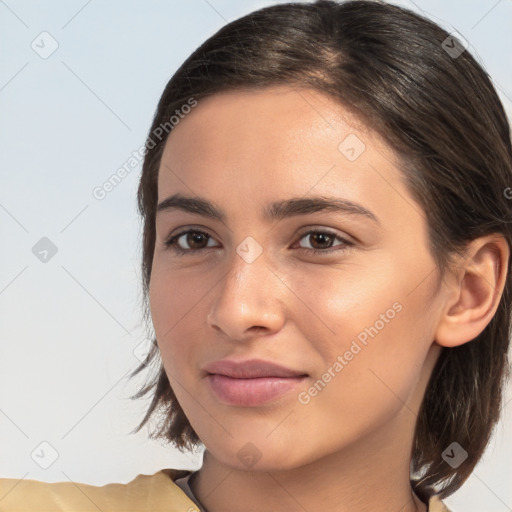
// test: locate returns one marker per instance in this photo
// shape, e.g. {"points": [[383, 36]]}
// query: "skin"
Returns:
{"points": [[349, 447]]}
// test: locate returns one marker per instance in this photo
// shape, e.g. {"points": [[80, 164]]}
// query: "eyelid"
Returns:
{"points": [[324, 229], [346, 240]]}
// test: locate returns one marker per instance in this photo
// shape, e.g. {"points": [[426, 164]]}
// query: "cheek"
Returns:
{"points": [[174, 303], [334, 305], [369, 332]]}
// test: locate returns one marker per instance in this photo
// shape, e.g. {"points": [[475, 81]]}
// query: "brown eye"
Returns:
{"points": [[194, 238], [321, 242]]}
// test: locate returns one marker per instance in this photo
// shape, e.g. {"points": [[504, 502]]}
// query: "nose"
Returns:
{"points": [[249, 300]]}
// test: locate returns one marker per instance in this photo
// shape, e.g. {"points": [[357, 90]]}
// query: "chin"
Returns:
{"points": [[258, 453]]}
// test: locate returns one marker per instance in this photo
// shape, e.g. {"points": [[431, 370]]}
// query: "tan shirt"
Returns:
{"points": [[165, 491]]}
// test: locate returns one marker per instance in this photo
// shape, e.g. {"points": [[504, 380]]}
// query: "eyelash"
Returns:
{"points": [[171, 244]]}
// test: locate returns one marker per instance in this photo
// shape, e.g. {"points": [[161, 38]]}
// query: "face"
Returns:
{"points": [[289, 331]]}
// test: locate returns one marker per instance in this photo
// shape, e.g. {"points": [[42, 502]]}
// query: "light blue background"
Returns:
{"points": [[69, 326]]}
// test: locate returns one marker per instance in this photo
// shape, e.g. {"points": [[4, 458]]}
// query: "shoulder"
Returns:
{"points": [[156, 492], [436, 505]]}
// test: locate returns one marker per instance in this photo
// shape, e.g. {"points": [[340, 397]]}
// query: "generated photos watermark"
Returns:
{"points": [[360, 342], [136, 158]]}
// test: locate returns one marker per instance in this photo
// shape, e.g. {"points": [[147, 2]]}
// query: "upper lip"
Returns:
{"points": [[250, 369]]}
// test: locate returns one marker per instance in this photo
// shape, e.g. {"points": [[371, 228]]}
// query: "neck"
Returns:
{"points": [[372, 474]]}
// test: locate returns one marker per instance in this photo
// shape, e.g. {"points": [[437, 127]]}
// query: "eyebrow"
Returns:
{"points": [[273, 211]]}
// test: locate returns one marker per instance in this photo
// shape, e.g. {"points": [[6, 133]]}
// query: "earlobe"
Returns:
{"points": [[474, 291]]}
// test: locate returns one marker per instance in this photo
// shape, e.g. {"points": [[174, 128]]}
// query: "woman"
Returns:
{"points": [[326, 258]]}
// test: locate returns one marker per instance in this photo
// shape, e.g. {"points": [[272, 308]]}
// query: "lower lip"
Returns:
{"points": [[251, 392]]}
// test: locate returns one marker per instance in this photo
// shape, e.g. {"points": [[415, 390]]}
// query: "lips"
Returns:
{"points": [[250, 369], [250, 383]]}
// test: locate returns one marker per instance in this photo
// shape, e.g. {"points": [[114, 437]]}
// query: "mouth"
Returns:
{"points": [[251, 383]]}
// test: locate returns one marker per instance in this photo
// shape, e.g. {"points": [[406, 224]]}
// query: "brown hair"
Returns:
{"points": [[441, 114]]}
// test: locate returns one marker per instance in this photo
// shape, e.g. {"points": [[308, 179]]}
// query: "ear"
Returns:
{"points": [[474, 291]]}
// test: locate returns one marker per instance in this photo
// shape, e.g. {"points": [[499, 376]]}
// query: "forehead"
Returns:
{"points": [[251, 146], [279, 116]]}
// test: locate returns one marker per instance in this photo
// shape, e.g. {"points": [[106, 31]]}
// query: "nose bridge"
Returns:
{"points": [[249, 294]]}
